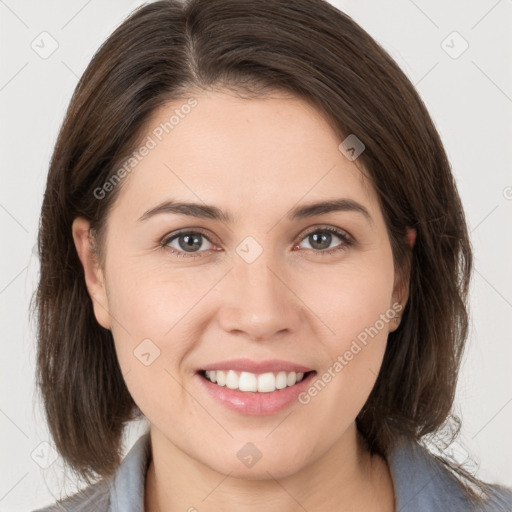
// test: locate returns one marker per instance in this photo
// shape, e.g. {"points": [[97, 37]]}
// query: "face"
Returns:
{"points": [[261, 287]]}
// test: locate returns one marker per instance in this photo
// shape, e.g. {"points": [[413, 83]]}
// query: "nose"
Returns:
{"points": [[258, 301]]}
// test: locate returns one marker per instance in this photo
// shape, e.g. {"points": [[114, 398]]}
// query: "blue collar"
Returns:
{"points": [[421, 484]]}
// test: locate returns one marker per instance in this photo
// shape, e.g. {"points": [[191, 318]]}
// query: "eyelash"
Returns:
{"points": [[346, 242]]}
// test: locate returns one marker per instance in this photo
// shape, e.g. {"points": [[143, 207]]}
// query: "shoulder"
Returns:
{"points": [[95, 497], [423, 484], [499, 498], [121, 492]]}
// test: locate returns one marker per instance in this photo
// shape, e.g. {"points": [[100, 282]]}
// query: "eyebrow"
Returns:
{"points": [[204, 211]]}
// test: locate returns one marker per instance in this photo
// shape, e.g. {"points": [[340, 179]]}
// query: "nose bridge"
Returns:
{"points": [[258, 301]]}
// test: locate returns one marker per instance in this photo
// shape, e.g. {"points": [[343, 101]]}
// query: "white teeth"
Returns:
{"points": [[266, 383], [221, 378], [281, 380], [247, 381], [232, 380]]}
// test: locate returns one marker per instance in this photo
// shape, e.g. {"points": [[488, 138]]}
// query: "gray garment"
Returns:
{"points": [[421, 484]]}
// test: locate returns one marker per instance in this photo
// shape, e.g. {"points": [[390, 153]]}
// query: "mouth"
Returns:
{"points": [[255, 388], [249, 382]]}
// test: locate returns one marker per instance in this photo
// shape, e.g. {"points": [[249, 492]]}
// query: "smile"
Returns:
{"points": [[251, 382], [254, 388]]}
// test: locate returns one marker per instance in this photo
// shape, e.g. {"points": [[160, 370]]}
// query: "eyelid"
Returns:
{"points": [[346, 238], [347, 241], [166, 239], [174, 234], [327, 227]]}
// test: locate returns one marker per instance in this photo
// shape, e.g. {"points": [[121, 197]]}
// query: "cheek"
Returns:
{"points": [[351, 298], [157, 324], [153, 334], [150, 301], [356, 313]]}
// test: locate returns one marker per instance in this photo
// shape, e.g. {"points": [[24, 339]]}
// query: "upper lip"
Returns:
{"points": [[249, 365]]}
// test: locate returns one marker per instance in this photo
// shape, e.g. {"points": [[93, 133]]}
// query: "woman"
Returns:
{"points": [[251, 237]]}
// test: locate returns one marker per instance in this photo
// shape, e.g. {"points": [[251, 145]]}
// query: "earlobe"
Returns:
{"points": [[401, 289], [399, 300], [94, 279], [397, 307]]}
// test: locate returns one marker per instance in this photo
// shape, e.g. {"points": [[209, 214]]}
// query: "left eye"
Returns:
{"points": [[319, 237], [189, 242]]}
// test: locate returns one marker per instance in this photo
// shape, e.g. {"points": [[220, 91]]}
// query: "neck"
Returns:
{"points": [[346, 478]]}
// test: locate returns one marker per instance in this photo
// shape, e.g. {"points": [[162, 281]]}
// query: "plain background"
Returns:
{"points": [[469, 95]]}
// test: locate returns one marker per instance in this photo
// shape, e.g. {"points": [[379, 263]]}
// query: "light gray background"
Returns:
{"points": [[470, 100]]}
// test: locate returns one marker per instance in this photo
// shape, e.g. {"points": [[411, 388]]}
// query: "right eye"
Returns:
{"points": [[183, 241]]}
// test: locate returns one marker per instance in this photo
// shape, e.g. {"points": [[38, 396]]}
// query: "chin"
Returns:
{"points": [[249, 463]]}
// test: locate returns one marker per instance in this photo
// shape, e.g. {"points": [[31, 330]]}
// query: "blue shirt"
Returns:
{"points": [[421, 484]]}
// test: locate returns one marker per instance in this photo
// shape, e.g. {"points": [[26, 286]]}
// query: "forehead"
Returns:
{"points": [[261, 151]]}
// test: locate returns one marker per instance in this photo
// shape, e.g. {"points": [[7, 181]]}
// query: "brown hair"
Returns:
{"points": [[163, 52]]}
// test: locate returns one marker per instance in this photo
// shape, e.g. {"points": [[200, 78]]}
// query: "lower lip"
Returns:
{"points": [[253, 403]]}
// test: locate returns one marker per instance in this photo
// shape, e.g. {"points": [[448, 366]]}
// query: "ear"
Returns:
{"points": [[94, 280], [401, 287]]}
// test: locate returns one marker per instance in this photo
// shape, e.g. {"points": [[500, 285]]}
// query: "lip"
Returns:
{"points": [[253, 403], [250, 365]]}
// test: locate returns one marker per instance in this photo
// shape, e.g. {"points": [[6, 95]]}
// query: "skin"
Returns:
{"points": [[255, 159]]}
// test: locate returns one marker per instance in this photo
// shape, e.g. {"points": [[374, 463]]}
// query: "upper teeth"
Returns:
{"points": [[246, 381]]}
